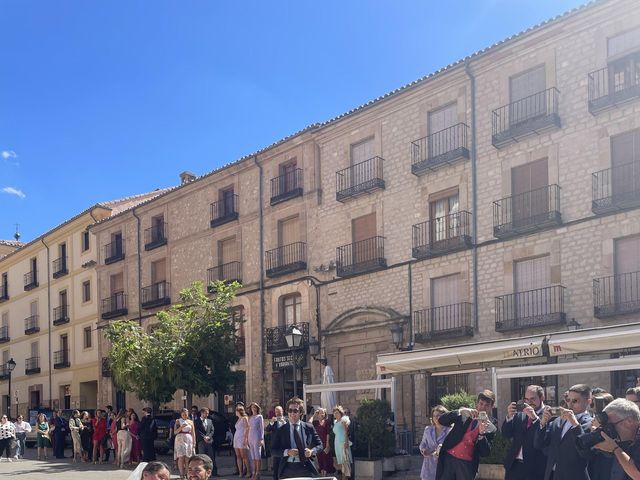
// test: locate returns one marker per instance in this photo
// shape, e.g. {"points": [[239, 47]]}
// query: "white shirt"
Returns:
{"points": [[22, 427]]}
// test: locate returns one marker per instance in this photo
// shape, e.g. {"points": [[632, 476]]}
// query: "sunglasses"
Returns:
{"points": [[294, 410]]}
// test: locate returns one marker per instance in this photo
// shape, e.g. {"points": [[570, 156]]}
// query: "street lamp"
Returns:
{"points": [[396, 334], [11, 364], [314, 350], [294, 339]]}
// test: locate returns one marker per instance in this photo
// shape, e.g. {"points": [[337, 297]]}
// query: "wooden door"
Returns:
{"points": [[625, 163], [529, 197], [445, 297], [530, 276], [364, 247], [527, 97], [627, 266], [441, 140]]}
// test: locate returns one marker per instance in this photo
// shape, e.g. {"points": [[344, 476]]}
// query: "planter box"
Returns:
{"points": [[388, 466], [368, 469], [403, 462], [490, 472]]}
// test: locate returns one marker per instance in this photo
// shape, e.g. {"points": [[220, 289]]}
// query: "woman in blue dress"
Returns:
{"points": [[341, 444], [431, 442]]}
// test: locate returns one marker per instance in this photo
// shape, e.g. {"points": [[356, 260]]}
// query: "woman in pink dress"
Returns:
{"points": [[134, 428], [322, 426], [256, 438]]}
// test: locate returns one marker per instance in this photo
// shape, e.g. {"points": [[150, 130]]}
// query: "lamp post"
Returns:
{"points": [[396, 334], [11, 364], [294, 339], [314, 350]]}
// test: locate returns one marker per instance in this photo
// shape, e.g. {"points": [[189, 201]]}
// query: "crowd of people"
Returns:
{"points": [[589, 436]]}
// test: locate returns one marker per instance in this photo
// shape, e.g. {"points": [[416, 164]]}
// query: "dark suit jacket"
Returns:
{"points": [[202, 431], [282, 442], [562, 451], [454, 437], [535, 461], [148, 428]]}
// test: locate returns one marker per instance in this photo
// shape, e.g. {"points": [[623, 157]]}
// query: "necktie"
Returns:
{"points": [[298, 440]]}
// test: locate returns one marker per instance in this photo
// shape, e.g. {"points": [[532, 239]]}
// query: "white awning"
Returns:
{"points": [[616, 337], [473, 353], [572, 368]]}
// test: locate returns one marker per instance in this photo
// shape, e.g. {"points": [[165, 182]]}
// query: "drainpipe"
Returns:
{"points": [[474, 193], [139, 267], [49, 325], [263, 361], [411, 344]]}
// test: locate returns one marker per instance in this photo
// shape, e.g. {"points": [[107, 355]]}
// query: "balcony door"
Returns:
{"points": [[624, 60], [627, 266], [531, 299], [227, 253], [527, 96], [440, 139], [63, 304], [157, 228], [445, 293], [159, 278], [33, 308], [64, 348], [288, 234], [625, 163], [288, 181], [445, 224], [116, 284], [364, 228], [226, 202], [361, 152], [529, 197]]}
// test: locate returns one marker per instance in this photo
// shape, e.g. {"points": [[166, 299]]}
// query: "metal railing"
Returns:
{"points": [[440, 147], [155, 236], [4, 292], [114, 306], [527, 211], [359, 178], [114, 251], [240, 346], [442, 235], [361, 256], [224, 210], [616, 188], [227, 272], [31, 324], [286, 186], [4, 333], [443, 321], [608, 88], [275, 337], [157, 293], [525, 116], [60, 315], [61, 358], [4, 372], [286, 259], [32, 365], [31, 279], [532, 308], [616, 295], [60, 267]]}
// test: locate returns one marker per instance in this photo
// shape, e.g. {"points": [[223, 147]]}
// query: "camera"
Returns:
{"points": [[519, 405], [482, 416], [555, 411], [590, 439]]}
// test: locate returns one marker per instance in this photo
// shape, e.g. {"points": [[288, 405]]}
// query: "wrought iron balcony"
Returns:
{"points": [[31, 325], [240, 346], [440, 148], [274, 338], [527, 212], [106, 367], [286, 186], [442, 235], [608, 89], [114, 306], [447, 321], [4, 292], [616, 295], [156, 295], [61, 359], [363, 177], [30, 280], [32, 365], [286, 259], [363, 256], [4, 334], [224, 211], [155, 236], [530, 115], [228, 272], [616, 188], [530, 309], [60, 267], [60, 315], [4, 372], [113, 252]]}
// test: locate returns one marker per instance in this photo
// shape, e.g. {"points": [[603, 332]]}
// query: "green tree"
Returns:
{"points": [[373, 430], [454, 401], [192, 346]]}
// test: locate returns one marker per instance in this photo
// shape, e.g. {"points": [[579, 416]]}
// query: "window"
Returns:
{"points": [[627, 266], [623, 43], [158, 271], [288, 231], [442, 141], [87, 337], [523, 105], [625, 163], [442, 211], [445, 290], [4, 326], [290, 309], [364, 228], [529, 198], [226, 202], [288, 180], [362, 151], [530, 278], [86, 291], [33, 307], [227, 251], [4, 286], [85, 241], [116, 283], [35, 349]]}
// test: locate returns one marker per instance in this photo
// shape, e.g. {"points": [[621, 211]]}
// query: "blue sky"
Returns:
{"points": [[105, 99]]}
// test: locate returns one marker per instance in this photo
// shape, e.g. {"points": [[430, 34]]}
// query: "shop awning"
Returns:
{"points": [[458, 355], [615, 337]]}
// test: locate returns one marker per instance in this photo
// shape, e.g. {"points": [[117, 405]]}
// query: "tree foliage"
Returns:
{"points": [[192, 346], [454, 401], [373, 429]]}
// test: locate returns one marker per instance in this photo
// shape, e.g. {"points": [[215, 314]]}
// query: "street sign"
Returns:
{"points": [[285, 360]]}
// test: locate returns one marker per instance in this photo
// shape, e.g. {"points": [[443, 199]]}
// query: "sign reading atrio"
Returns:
{"points": [[284, 360]]}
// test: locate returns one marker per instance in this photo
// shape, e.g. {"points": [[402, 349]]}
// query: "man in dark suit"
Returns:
{"points": [[272, 427], [469, 439], [558, 436], [523, 461], [296, 442], [148, 433], [59, 434], [204, 436]]}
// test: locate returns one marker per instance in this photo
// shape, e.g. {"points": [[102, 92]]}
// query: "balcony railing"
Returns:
{"points": [[275, 340], [533, 308], [31, 325], [228, 272], [114, 252], [616, 188], [60, 267], [616, 295], [527, 212], [156, 295], [61, 359], [286, 259], [60, 315], [4, 372], [224, 211], [4, 334], [608, 89], [447, 321], [442, 235], [155, 236], [440, 148], [358, 257], [530, 115], [286, 186], [106, 367], [240, 346], [114, 306], [32, 365], [360, 178], [4, 292], [30, 280]]}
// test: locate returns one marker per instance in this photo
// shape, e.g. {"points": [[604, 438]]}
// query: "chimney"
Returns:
{"points": [[186, 177]]}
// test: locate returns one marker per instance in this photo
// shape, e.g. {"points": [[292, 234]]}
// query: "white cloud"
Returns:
{"points": [[13, 191], [7, 154]]}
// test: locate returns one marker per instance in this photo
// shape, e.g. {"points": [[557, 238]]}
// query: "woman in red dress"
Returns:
{"points": [[134, 428], [323, 427], [99, 432]]}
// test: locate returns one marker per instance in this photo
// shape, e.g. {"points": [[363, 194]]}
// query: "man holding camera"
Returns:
{"points": [[523, 461], [559, 435]]}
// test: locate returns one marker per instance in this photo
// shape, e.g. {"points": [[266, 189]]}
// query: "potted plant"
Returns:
{"points": [[374, 440]]}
